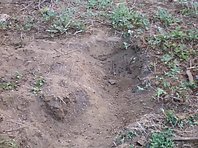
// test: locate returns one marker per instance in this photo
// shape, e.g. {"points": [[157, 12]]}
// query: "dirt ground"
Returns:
{"points": [[87, 96], [77, 91]]}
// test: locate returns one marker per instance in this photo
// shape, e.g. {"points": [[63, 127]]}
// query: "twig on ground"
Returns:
{"points": [[26, 6], [185, 139]]}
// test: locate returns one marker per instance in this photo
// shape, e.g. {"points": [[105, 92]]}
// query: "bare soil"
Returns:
{"points": [[89, 91], [88, 96]]}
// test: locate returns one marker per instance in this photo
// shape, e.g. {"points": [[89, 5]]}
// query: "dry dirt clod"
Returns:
{"points": [[54, 107]]}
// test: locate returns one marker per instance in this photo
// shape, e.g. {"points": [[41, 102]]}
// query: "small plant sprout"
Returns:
{"points": [[8, 85], [99, 4], [38, 85], [160, 92]]}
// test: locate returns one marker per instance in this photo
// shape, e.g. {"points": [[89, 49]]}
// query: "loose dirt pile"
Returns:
{"points": [[85, 92]]}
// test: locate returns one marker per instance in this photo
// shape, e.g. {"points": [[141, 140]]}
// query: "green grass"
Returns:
{"points": [[28, 24], [168, 39], [61, 22], [12, 84], [124, 18], [48, 14], [125, 137], [8, 85], [162, 140], [189, 8], [172, 119], [160, 92], [177, 48], [99, 4], [165, 17], [193, 120]]}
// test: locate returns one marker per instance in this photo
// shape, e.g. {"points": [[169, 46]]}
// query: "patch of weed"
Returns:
{"points": [[38, 85], [160, 92], [8, 85], [189, 8], [166, 58], [188, 85], [168, 39], [124, 18], [165, 17], [172, 119], [62, 22], [48, 14], [99, 4], [12, 84], [174, 69], [28, 24], [193, 120], [125, 137], [162, 139]]}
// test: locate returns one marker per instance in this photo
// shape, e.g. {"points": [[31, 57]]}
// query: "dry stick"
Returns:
{"points": [[62, 100], [185, 139], [26, 6], [190, 76], [142, 127], [155, 68]]}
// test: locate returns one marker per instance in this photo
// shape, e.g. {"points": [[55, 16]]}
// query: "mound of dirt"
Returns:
{"points": [[85, 95]]}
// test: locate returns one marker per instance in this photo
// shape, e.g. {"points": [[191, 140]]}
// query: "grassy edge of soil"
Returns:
{"points": [[168, 34], [173, 44]]}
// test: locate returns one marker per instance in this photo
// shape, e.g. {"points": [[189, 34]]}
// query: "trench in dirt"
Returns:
{"points": [[88, 96]]}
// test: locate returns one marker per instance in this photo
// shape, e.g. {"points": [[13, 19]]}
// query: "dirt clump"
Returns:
{"points": [[58, 107]]}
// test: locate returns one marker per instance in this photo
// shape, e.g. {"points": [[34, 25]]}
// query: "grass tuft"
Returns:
{"points": [[162, 140]]}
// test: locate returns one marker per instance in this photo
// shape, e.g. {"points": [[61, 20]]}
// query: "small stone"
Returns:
{"points": [[112, 82]]}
